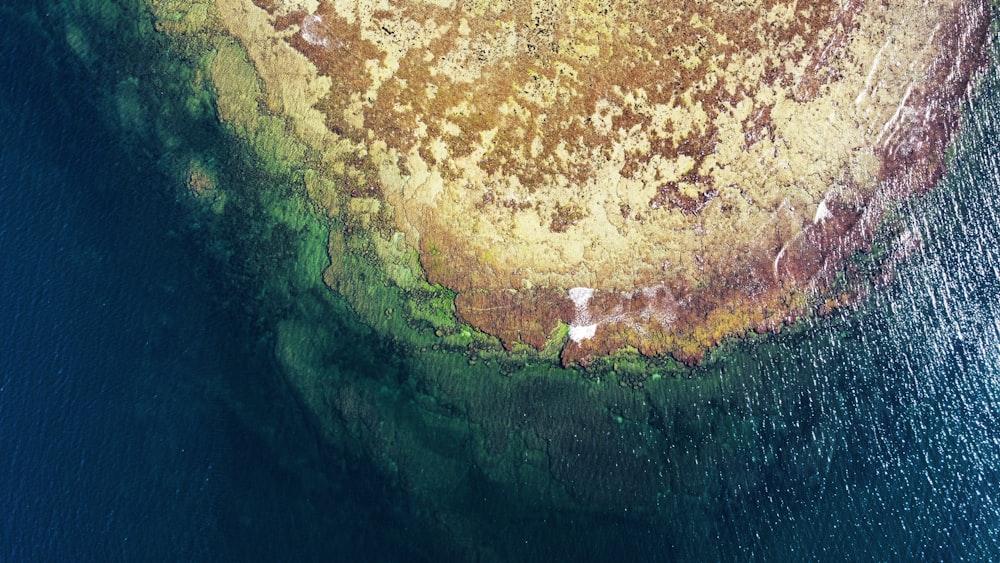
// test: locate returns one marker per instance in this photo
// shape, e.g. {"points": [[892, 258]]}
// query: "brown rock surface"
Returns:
{"points": [[694, 170]]}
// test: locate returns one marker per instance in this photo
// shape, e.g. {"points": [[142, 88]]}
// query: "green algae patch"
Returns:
{"points": [[185, 17], [279, 150], [307, 237], [434, 306], [238, 91]]}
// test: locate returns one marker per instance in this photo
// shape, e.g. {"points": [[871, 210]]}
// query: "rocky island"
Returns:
{"points": [[652, 176], [420, 212]]}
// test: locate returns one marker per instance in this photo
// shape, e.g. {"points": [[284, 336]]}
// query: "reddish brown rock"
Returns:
{"points": [[695, 171]]}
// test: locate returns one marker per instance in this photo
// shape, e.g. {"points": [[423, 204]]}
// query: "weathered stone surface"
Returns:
{"points": [[704, 168]]}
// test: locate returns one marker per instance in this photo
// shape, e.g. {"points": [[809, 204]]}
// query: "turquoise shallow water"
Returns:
{"points": [[143, 414]]}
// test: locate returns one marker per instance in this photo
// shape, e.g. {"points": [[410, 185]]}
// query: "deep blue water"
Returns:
{"points": [[139, 415], [119, 439], [106, 435]]}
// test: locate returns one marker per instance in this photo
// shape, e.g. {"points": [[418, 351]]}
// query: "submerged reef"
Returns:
{"points": [[433, 208], [697, 172]]}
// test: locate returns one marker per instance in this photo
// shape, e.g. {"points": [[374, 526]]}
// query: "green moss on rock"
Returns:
{"points": [[238, 91]]}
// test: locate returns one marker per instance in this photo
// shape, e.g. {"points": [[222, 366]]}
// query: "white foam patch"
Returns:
{"points": [[581, 295], [581, 328], [660, 305], [871, 73], [778, 259], [312, 26], [580, 333], [822, 213]]}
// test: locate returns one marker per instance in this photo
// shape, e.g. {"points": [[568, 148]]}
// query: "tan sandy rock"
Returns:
{"points": [[695, 169]]}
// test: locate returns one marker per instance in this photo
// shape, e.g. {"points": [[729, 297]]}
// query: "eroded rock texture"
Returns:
{"points": [[658, 175]]}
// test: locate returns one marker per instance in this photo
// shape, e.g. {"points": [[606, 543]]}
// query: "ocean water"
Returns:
{"points": [[95, 341], [142, 417], [136, 418]]}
